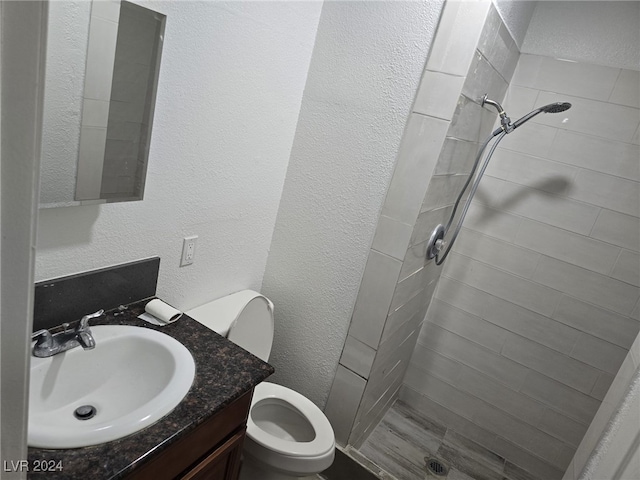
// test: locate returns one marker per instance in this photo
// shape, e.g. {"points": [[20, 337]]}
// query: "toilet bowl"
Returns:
{"points": [[288, 436]]}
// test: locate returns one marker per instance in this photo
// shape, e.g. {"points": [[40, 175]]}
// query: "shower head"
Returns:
{"points": [[551, 108], [556, 107]]}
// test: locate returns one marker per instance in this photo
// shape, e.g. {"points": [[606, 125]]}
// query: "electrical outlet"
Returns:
{"points": [[188, 250]]}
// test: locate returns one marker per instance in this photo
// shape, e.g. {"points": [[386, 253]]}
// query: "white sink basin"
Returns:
{"points": [[133, 377]]}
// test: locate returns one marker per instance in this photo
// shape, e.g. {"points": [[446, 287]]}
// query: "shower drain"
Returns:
{"points": [[435, 466]]}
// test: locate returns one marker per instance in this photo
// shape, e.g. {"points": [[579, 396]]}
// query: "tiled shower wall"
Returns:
{"points": [[538, 305], [438, 147]]}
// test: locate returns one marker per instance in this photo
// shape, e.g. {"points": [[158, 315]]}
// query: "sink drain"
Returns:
{"points": [[85, 412], [436, 467]]}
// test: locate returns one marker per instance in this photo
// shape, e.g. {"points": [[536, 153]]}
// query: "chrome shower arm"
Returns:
{"points": [[505, 121]]}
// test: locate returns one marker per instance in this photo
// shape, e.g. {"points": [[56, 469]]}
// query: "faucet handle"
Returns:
{"points": [[84, 322], [41, 335], [44, 342]]}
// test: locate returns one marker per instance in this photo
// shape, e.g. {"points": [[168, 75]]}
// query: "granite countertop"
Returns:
{"points": [[224, 372]]}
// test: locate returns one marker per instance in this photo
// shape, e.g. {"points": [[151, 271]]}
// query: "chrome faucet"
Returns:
{"points": [[48, 345]]}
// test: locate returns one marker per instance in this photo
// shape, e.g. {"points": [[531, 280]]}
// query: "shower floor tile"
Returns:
{"points": [[404, 439], [467, 456]]}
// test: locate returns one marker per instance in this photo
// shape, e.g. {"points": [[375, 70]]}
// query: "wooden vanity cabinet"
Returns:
{"points": [[210, 452]]}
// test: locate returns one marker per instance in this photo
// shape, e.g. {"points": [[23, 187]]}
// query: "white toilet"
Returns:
{"points": [[288, 436]]}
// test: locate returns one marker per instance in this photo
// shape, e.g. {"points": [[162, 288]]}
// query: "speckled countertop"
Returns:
{"points": [[224, 372]]}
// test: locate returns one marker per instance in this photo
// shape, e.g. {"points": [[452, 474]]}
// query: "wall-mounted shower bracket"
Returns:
{"points": [[436, 242]]}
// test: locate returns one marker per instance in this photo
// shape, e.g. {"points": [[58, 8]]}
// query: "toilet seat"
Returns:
{"points": [[324, 440]]}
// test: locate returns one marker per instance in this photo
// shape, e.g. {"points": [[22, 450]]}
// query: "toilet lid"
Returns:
{"points": [[324, 440]]}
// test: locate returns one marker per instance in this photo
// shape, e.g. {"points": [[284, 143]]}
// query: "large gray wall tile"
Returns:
{"points": [[435, 364], [342, 405], [512, 317], [498, 253], [357, 356], [498, 367], [618, 229], [598, 353], [392, 237], [627, 268], [536, 204], [438, 94], [399, 317], [458, 33], [591, 117], [589, 286], [534, 296], [374, 298], [526, 460], [555, 365], [599, 322], [515, 403], [567, 246], [419, 150], [562, 427], [576, 78], [468, 326], [595, 153], [572, 403], [457, 156]]}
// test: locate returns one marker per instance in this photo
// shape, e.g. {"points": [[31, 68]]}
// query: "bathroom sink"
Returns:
{"points": [[132, 378]]}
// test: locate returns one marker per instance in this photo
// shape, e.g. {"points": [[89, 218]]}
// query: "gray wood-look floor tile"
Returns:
{"points": [[399, 444], [392, 453], [513, 472], [467, 464], [412, 430], [421, 421], [455, 474], [473, 450]]}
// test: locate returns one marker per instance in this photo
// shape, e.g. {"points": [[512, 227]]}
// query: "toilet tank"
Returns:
{"points": [[245, 318]]}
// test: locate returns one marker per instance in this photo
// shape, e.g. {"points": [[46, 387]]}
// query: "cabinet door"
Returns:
{"points": [[201, 443], [222, 464]]}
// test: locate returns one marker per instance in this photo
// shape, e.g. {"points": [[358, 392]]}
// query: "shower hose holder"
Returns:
{"points": [[436, 242]]}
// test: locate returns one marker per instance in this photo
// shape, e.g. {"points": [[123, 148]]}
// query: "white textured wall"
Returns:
{"points": [[230, 87], [516, 16], [364, 73], [601, 32]]}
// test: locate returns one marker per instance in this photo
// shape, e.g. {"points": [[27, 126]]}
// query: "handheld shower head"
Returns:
{"points": [[556, 107], [551, 108]]}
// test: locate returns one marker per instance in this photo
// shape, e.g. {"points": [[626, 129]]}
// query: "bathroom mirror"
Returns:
{"points": [[102, 66]]}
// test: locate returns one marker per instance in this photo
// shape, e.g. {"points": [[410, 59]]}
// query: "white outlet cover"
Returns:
{"points": [[188, 250]]}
